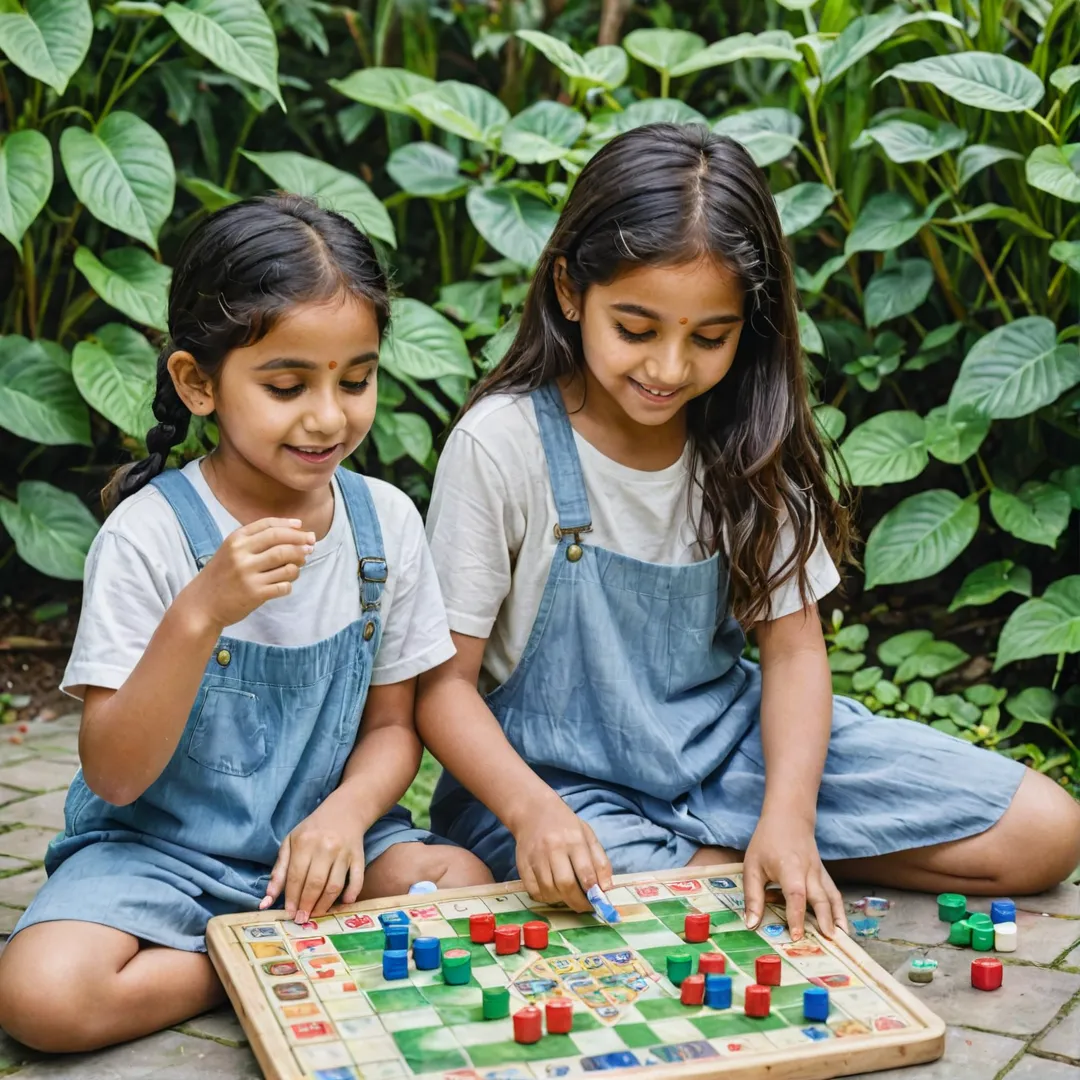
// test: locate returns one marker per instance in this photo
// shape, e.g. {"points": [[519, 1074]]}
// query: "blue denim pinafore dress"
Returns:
{"points": [[265, 743], [632, 700]]}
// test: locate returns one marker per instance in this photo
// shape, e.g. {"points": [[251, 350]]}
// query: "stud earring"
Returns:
{"points": [[571, 314]]}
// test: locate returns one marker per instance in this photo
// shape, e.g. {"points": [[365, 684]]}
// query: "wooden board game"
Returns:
{"points": [[315, 1004]]}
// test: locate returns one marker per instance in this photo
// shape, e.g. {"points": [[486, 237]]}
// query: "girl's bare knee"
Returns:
{"points": [[1044, 824], [52, 1014], [459, 868]]}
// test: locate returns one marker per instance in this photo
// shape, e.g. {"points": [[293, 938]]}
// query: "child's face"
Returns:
{"points": [[656, 337], [295, 404]]}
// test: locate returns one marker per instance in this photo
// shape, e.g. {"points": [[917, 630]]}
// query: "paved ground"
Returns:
{"points": [[1030, 1030]]}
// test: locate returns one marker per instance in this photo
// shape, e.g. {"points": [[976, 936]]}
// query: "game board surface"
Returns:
{"points": [[315, 1004]]}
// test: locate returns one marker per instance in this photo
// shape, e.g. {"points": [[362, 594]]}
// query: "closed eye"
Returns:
{"points": [[356, 387], [712, 343], [629, 335], [283, 393]]}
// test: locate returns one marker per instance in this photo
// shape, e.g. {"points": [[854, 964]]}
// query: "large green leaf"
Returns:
{"points": [[1016, 369], [929, 660], [334, 188], [662, 50], [116, 372], [605, 66], [904, 141], [38, 397], [866, 32], [472, 302], [414, 434], [51, 528], [994, 212], [26, 179], [130, 280], [388, 89], [770, 45], [210, 195], [422, 344], [897, 290], [954, 437], [887, 221], [810, 336], [1037, 513], [236, 35], [990, 583], [812, 284], [1065, 78], [47, 39], [1054, 169], [123, 173], [649, 111], [980, 79], [886, 449], [830, 422], [919, 537], [513, 222], [1068, 252], [426, 171], [541, 133], [974, 159], [801, 205], [463, 109], [768, 134], [1043, 627]]}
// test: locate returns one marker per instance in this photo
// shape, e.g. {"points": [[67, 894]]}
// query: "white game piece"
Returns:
{"points": [[1005, 937]]}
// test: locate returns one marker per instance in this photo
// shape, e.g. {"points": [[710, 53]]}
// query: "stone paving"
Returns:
{"points": [[1030, 1030]]}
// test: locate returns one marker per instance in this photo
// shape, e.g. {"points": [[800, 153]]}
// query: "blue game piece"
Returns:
{"points": [[1002, 911], [815, 1003], [397, 937], [395, 964], [427, 953], [394, 918], [421, 888], [718, 991]]}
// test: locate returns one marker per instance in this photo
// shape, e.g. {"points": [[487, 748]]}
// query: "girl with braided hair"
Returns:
{"points": [[252, 630]]}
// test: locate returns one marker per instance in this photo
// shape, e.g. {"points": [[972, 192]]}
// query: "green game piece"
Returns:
{"points": [[496, 1002], [952, 907], [679, 966], [982, 938], [979, 918], [960, 933], [457, 967]]}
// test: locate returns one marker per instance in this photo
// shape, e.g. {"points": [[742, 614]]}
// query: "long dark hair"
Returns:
{"points": [[664, 195], [238, 272]]}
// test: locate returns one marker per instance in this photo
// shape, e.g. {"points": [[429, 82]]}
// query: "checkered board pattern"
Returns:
{"points": [[322, 984]]}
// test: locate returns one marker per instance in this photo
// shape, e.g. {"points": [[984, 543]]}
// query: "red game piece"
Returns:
{"points": [[693, 990], [527, 1025], [711, 963], [768, 970], [536, 935], [757, 1001], [508, 939], [481, 929], [560, 1016], [696, 927], [986, 973]]}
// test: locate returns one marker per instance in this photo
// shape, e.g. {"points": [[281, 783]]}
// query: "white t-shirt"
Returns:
{"points": [[140, 561], [492, 515]]}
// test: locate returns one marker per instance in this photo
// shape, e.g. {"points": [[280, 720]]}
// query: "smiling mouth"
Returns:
{"points": [[653, 393], [314, 454]]}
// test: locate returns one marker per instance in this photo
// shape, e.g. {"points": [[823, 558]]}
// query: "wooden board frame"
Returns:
{"points": [[812, 1061]]}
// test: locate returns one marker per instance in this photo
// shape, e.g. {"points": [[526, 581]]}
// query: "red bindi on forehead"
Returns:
{"points": [[683, 321], [333, 364]]}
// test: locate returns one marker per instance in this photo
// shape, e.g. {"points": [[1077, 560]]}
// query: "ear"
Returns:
{"points": [[568, 294], [194, 388]]}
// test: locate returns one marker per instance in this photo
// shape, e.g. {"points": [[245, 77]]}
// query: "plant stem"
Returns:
{"points": [[9, 105], [234, 160], [59, 245], [983, 471], [30, 281], [665, 83], [446, 259]]}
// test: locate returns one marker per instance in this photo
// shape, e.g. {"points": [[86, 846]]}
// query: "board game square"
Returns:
{"points": [[455, 1015], [439, 928], [734, 1022], [397, 1000], [725, 917], [488, 1055], [440, 995], [411, 1018], [584, 1019], [792, 994], [324, 1056], [485, 1031], [639, 927], [588, 939], [545, 1070], [504, 902], [492, 976], [638, 1035], [462, 909], [433, 1050], [677, 906], [676, 1031], [383, 1070], [375, 1048], [605, 1041], [739, 940], [660, 1008], [348, 1008], [621, 895], [660, 939], [571, 920], [481, 957], [360, 1027]]}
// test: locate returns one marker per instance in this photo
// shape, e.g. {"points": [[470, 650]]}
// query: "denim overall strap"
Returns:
{"points": [[200, 529], [564, 465], [371, 569]]}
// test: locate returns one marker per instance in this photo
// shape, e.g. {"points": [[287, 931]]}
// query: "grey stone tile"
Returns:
{"points": [[1043, 938], [8, 918], [1072, 960], [46, 810], [219, 1024], [10, 794], [913, 916], [29, 843], [1064, 1038], [7, 863], [888, 955], [969, 1055], [13, 1054], [168, 1054], [19, 889], [37, 774], [1063, 900], [1029, 999], [1031, 1067]]}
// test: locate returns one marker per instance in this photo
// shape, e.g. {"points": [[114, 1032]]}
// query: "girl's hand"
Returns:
{"points": [[321, 860], [784, 850], [254, 564], [559, 857]]}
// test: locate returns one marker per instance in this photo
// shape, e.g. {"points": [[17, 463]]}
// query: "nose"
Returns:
{"points": [[324, 414], [667, 364]]}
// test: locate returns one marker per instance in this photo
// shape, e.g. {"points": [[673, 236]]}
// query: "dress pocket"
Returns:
{"points": [[228, 736]]}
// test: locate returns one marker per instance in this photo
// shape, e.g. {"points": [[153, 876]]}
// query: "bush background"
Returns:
{"points": [[926, 162]]}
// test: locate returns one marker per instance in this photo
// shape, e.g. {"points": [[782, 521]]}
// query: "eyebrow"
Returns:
{"points": [[288, 363], [646, 313]]}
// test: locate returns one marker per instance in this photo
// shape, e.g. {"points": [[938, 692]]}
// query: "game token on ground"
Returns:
{"points": [[1002, 911], [952, 907], [559, 1014], [987, 973], [1005, 937]]}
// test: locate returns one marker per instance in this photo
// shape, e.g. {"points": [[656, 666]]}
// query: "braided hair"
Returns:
{"points": [[238, 272]]}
